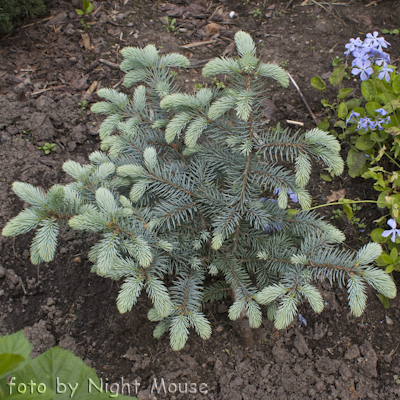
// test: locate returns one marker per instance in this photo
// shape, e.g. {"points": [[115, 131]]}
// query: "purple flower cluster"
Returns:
{"points": [[291, 194], [369, 123], [369, 52]]}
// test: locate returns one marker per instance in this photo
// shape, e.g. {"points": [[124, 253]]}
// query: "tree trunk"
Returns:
{"points": [[244, 330]]}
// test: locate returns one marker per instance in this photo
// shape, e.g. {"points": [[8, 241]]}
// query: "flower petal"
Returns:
{"points": [[386, 233]]}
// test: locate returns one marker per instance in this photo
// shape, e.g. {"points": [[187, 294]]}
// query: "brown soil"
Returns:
{"points": [[49, 67]]}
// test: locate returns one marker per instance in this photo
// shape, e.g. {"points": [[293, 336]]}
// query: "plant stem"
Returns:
{"points": [[342, 202], [391, 159]]}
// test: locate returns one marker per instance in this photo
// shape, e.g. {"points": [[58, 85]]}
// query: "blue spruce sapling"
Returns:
{"points": [[176, 190]]}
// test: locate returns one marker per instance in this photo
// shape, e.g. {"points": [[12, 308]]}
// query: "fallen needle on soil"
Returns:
{"points": [[298, 123], [302, 97]]}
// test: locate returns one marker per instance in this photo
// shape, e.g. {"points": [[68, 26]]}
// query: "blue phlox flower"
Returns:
{"points": [[350, 48], [393, 231], [359, 59], [365, 123], [263, 199], [353, 117], [302, 320], [381, 58], [277, 190], [363, 67], [379, 123], [385, 72], [375, 41], [291, 194], [381, 112], [353, 45]]}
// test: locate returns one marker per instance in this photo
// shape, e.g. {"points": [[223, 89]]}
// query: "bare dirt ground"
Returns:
{"points": [[50, 70]]}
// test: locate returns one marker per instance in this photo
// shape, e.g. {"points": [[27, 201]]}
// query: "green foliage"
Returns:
{"points": [[350, 209], [174, 197], [218, 84], [318, 83], [337, 214], [11, 10], [389, 259], [47, 148], [391, 31], [370, 143], [55, 374], [258, 13], [87, 7], [365, 144], [170, 25], [336, 61]]}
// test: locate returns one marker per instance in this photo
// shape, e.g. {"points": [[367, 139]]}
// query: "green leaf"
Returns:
{"points": [[325, 177], [324, 125], [390, 268], [64, 374], [384, 300], [396, 84], [393, 130], [343, 93], [88, 6], [391, 106], [355, 162], [379, 262], [348, 211], [80, 12], [376, 236], [381, 198], [8, 363], [394, 254], [379, 136], [353, 103], [385, 98], [368, 90], [318, 83], [386, 258], [14, 353], [364, 143], [337, 76], [371, 106], [339, 124], [360, 110], [385, 31], [342, 111], [15, 343], [395, 32], [324, 103]]}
